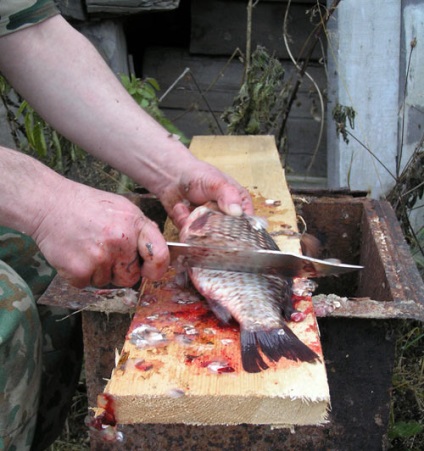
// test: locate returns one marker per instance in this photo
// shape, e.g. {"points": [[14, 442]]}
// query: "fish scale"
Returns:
{"points": [[247, 231], [260, 303]]}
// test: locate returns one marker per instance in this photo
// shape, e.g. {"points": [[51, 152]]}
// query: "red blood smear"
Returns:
{"points": [[107, 417], [297, 317], [188, 358], [226, 369], [296, 298], [308, 301], [144, 366]]}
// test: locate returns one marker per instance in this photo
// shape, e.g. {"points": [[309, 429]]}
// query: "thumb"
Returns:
{"points": [[234, 201], [153, 251]]}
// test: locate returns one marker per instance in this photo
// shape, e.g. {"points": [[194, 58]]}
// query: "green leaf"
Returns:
{"points": [[29, 129], [58, 149], [23, 106], [404, 429], [4, 86], [39, 140], [154, 83], [125, 80]]}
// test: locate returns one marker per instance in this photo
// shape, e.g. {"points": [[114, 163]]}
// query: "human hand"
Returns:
{"points": [[95, 238], [199, 183]]}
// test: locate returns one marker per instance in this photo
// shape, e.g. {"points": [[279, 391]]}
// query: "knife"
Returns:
{"points": [[255, 261]]}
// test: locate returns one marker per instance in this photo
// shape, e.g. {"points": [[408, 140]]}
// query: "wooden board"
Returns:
{"points": [[218, 27], [192, 374], [125, 7]]}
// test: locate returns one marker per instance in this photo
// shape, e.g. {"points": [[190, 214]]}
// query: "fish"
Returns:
{"points": [[260, 303]]}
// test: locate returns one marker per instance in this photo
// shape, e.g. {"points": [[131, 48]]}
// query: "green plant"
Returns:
{"points": [[406, 429], [144, 92], [264, 101], [34, 136], [416, 249], [45, 143], [261, 96], [342, 115]]}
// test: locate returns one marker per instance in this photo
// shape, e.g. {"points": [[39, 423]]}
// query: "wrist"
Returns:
{"points": [[163, 169], [28, 191]]}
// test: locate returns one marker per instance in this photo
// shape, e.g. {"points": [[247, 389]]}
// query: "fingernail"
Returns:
{"points": [[235, 210]]}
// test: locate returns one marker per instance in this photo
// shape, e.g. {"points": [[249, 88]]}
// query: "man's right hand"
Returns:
{"points": [[95, 238]]}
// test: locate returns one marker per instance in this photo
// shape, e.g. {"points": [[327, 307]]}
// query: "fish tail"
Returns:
{"points": [[251, 359], [274, 344]]}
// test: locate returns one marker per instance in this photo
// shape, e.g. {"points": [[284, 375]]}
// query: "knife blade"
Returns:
{"points": [[255, 261]]}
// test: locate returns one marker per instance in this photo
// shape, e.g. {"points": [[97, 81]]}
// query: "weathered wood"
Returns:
{"points": [[72, 9], [125, 7], [388, 257], [365, 49], [219, 27], [366, 308], [301, 139], [197, 101], [109, 39], [218, 79], [193, 375]]}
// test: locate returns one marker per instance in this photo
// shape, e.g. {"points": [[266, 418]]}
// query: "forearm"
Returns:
{"points": [[75, 90], [27, 190]]}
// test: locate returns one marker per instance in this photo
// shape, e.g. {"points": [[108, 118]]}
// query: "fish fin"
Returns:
{"points": [[283, 342], [251, 359], [274, 344], [220, 311]]}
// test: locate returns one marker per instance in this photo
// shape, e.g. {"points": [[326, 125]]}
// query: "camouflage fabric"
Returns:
{"points": [[40, 349], [18, 14]]}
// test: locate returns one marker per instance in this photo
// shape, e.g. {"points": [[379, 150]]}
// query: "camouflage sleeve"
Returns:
{"points": [[18, 14]]}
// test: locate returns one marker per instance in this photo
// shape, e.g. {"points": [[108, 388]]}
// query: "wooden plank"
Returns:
{"points": [[193, 374], [302, 135], [124, 7], [109, 39], [368, 50], [218, 79], [72, 9], [197, 113], [219, 27]]}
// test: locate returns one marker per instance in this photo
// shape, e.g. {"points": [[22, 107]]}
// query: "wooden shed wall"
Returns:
{"points": [[202, 36]]}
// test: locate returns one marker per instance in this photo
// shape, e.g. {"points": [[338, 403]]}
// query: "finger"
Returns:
{"points": [[234, 200], [246, 202], [179, 214], [127, 274], [78, 276], [102, 276], [153, 251]]}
